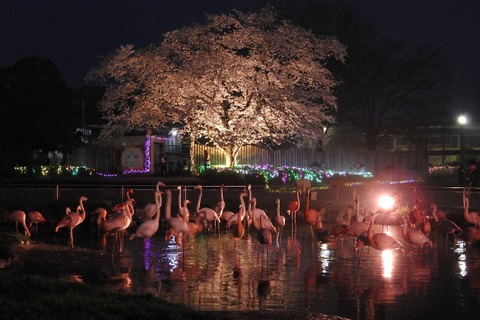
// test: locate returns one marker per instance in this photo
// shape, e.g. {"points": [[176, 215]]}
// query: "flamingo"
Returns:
{"points": [[206, 213], [72, 219], [293, 208], [264, 235], [416, 215], [340, 229], [313, 218], [149, 227], [239, 231], [359, 232], [150, 209], [471, 217], [254, 213], [381, 241], [183, 210], [35, 217], [470, 234], [116, 222], [234, 219], [414, 236], [426, 226], [178, 227], [444, 226], [279, 219], [19, 217], [224, 215], [263, 220], [121, 206]]}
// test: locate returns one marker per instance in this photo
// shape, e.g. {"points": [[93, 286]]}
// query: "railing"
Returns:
{"points": [[448, 199]]}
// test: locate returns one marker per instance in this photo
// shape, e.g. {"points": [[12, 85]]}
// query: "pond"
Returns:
{"points": [[219, 272]]}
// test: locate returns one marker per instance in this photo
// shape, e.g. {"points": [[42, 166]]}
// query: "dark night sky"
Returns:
{"points": [[73, 34]]}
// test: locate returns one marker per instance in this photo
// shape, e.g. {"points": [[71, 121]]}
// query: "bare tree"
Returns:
{"points": [[243, 78], [387, 86]]}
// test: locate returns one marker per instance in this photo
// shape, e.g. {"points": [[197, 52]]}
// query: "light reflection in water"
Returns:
{"points": [[219, 273], [460, 248], [387, 259], [324, 256]]}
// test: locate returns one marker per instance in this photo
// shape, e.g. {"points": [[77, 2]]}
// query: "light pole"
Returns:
{"points": [[462, 121]]}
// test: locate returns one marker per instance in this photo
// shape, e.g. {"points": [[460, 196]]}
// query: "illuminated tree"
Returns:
{"points": [[239, 79]]}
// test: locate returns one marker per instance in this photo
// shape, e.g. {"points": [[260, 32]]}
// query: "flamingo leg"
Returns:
{"points": [[71, 237]]}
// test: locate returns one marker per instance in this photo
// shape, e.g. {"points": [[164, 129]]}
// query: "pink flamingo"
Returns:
{"points": [[206, 213], [19, 217], [314, 218], [471, 217], [381, 241], [72, 219], [178, 227], [224, 215], [444, 226], [34, 218], [239, 231], [234, 220], [149, 227], [413, 236], [293, 208], [150, 209], [183, 211]]}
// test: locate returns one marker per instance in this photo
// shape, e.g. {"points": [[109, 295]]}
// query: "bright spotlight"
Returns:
{"points": [[174, 132], [462, 119], [386, 202]]}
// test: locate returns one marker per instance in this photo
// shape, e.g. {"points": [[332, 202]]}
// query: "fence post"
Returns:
{"points": [[57, 192]]}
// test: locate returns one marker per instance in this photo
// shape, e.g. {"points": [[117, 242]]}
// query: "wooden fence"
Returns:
{"points": [[384, 164]]}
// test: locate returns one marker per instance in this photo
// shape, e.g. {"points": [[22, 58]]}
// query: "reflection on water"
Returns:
{"points": [[222, 273]]}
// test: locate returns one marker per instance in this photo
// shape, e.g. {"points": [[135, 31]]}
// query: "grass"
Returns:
{"points": [[41, 297], [37, 297]]}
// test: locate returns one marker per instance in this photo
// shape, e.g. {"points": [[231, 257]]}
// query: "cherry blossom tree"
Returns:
{"points": [[239, 79]]}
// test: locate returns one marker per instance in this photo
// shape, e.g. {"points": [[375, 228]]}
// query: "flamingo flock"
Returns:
{"points": [[418, 226]]}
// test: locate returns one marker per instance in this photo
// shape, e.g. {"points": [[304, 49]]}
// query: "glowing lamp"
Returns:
{"points": [[386, 202]]}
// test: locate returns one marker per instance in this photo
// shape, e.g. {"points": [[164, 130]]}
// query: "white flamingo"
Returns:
{"points": [[72, 219]]}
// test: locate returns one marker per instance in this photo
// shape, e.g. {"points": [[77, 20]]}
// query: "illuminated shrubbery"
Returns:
{"points": [[55, 171], [280, 176]]}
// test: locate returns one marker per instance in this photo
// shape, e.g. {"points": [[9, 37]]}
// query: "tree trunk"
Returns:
{"points": [[231, 156]]}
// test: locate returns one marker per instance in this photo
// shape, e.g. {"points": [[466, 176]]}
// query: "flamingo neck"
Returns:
{"points": [[168, 208], [158, 202]]}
